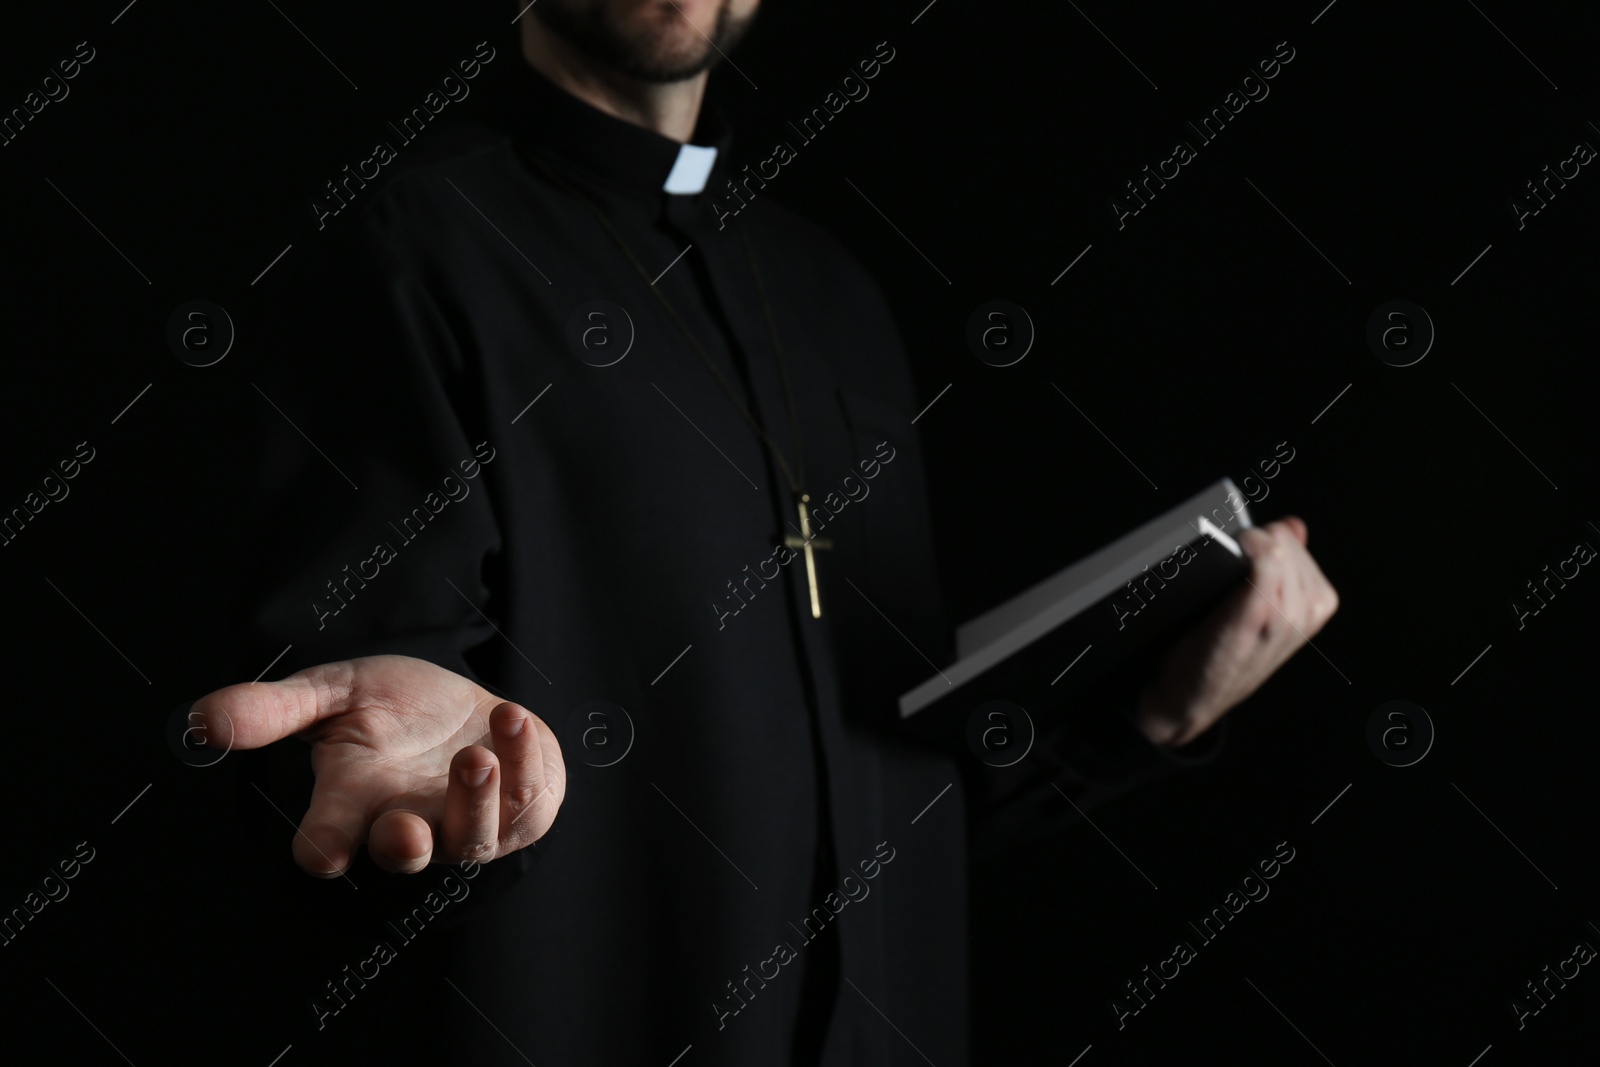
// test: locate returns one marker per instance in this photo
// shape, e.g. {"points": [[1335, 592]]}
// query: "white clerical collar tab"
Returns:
{"points": [[691, 170]]}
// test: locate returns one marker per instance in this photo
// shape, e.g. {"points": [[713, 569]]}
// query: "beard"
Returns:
{"points": [[641, 52]]}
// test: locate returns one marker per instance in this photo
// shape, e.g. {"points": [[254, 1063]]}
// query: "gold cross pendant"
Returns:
{"points": [[808, 541]]}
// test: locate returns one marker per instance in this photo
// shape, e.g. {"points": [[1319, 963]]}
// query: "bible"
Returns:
{"points": [[1130, 599]]}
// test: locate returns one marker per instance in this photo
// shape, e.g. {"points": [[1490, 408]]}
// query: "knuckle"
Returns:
{"points": [[543, 737], [1267, 562], [478, 852], [521, 799], [555, 777], [329, 686], [1259, 614], [1324, 602]]}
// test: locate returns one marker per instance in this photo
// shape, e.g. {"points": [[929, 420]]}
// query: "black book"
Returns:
{"points": [[1128, 601]]}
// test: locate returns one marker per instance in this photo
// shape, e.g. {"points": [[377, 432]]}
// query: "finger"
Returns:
{"points": [[1258, 542], [1269, 556], [1322, 600], [471, 807], [1268, 550], [1309, 601], [555, 780], [1301, 598], [1296, 593], [400, 841], [254, 714], [331, 831], [522, 783], [1296, 526]]}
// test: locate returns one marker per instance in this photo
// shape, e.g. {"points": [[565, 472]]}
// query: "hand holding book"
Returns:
{"points": [[1186, 615], [1242, 640]]}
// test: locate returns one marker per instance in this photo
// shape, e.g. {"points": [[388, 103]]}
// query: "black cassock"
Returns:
{"points": [[751, 859]]}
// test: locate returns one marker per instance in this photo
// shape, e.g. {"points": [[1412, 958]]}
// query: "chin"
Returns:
{"points": [[652, 40], [678, 29]]}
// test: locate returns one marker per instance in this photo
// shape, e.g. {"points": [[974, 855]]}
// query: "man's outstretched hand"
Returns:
{"points": [[416, 762], [1247, 637]]}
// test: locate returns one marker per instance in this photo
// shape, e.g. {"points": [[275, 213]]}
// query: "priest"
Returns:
{"points": [[598, 527]]}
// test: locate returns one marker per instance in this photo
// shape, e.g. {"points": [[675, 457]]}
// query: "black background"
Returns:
{"points": [[1196, 338]]}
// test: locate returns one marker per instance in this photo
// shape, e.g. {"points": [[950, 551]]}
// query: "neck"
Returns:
{"points": [[670, 109]]}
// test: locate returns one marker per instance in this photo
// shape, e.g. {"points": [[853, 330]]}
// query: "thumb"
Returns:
{"points": [[255, 714]]}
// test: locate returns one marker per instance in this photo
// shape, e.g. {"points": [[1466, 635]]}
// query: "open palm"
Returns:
{"points": [[416, 762]]}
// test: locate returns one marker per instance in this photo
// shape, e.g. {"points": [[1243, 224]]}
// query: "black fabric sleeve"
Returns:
{"points": [[372, 526], [1080, 759]]}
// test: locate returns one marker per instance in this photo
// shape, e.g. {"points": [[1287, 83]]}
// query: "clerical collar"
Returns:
{"points": [[612, 151]]}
